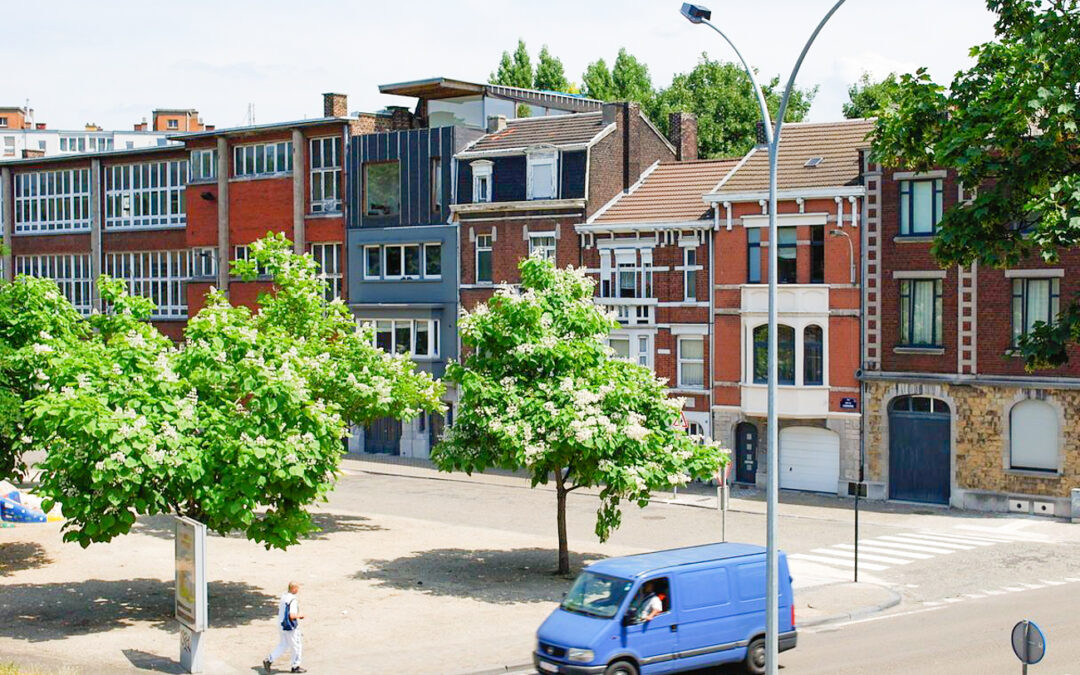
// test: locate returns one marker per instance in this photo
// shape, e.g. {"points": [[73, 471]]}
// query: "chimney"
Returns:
{"points": [[335, 105], [682, 132], [209, 127], [141, 126], [401, 118], [29, 153], [496, 123], [40, 126], [610, 113]]}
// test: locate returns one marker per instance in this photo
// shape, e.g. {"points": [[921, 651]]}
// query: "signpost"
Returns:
{"points": [[722, 484], [1028, 643], [190, 591]]}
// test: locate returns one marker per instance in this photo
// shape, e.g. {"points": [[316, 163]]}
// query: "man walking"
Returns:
{"points": [[289, 617]]}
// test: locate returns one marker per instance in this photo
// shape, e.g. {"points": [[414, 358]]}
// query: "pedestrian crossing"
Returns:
{"points": [[894, 550]]}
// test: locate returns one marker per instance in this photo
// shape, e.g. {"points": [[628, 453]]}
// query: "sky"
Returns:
{"points": [[113, 61]]}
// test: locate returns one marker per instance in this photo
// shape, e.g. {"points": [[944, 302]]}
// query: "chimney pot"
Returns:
{"points": [[335, 105], [40, 126], [496, 123]]}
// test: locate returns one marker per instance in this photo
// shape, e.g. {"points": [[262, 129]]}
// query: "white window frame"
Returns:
{"points": [[685, 360], [241, 252], [161, 276], [545, 157], [246, 159], [629, 260], [489, 248], [146, 195], [3, 122], [436, 185], [172, 124], [204, 262], [70, 272], [9, 146], [424, 260], [328, 257], [482, 173], [690, 270], [52, 201], [367, 268], [432, 326], [384, 272], [325, 174], [538, 242], [203, 165]]}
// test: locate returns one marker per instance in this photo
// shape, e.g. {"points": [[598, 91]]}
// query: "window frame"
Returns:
{"points": [[781, 261], [763, 345], [52, 202], [70, 271], [549, 252], [1051, 467], [365, 171], [327, 254], [818, 346], [436, 185], [1023, 297], [318, 175], [432, 326], [546, 157], [259, 160], [196, 164], [906, 211], [817, 254], [753, 255], [146, 195], [907, 314], [683, 360], [142, 272], [482, 173], [489, 249], [690, 270]]}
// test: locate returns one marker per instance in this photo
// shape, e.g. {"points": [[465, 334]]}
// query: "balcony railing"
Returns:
{"points": [[631, 311]]}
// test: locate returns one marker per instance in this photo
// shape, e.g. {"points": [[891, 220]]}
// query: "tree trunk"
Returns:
{"points": [[564, 552]]}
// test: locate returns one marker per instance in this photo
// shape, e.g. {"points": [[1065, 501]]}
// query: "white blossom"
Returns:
{"points": [[42, 349]]}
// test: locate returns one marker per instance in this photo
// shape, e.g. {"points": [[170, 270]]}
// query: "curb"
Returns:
{"points": [[507, 670], [893, 601]]}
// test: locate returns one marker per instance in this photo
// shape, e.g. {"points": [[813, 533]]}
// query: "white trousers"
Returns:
{"points": [[289, 641]]}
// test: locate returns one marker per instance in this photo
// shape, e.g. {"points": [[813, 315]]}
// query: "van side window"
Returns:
{"points": [[750, 579], [706, 588], [654, 597]]}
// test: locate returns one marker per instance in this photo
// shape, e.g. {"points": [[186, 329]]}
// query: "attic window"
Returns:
{"points": [[814, 161]]}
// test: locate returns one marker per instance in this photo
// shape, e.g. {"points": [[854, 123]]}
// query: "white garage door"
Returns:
{"points": [[809, 459]]}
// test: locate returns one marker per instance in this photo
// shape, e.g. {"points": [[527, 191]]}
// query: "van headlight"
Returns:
{"points": [[580, 655]]}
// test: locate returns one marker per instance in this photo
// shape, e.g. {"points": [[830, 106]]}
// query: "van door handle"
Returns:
{"points": [[674, 628]]}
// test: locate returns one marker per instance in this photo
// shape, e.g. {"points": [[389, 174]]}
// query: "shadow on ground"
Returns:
{"points": [[147, 661], [497, 577], [39, 612], [18, 556], [162, 527]]}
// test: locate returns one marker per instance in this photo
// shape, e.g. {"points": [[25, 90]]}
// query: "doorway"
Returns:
{"points": [[746, 443]]}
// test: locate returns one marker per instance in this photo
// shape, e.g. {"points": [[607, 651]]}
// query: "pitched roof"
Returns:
{"points": [[553, 130], [837, 144], [671, 193]]}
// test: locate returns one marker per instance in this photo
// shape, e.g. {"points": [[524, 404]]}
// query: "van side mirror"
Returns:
{"points": [[628, 619]]}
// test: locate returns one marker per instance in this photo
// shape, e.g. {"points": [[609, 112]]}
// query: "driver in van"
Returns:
{"points": [[651, 605]]}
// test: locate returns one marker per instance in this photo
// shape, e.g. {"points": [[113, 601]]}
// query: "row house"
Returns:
{"points": [[650, 251], [952, 417], [819, 216], [403, 245]]}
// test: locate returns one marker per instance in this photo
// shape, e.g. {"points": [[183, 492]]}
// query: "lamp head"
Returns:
{"points": [[696, 13], [837, 233]]}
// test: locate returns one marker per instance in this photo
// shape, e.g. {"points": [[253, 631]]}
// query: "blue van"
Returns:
{"points": [[666, 612]]}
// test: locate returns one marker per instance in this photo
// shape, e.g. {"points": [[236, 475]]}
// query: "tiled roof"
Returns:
{"points": [[836, 143], [671, 193], [554, 130]]}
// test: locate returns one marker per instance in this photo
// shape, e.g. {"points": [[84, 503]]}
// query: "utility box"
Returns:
{"points": [[1019, 505]]}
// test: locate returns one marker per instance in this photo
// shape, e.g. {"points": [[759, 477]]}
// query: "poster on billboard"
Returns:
{"points": [[190, 590]]}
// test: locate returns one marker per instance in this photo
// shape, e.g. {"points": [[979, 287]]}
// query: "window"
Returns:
{"points": [[817, 254], [1033, 436], [432, 261], [242, 253], [483, 258], [691, 362], [542, 175], [481, 171], [403, 261], [920, 206], [621, 347], [690, 268], [813, 356], [146, 195], [923, 404], [70, 272], [328, 258], [325, 175], [920, 312], [382, 189], [626, 273], [542, 244], [203, 165], [204, 262], [787, 269], [73, 144], [785, 348], [420, 337], [3, 122], [9, 146], [52, 201], [172, 124], [436, 185], [160, 276], [1033, 301], [753, 256], [262, 159], [643, 351], [655, 589], [372, 262]]}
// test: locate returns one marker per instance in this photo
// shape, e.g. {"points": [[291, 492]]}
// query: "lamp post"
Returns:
{"points": [[699, 14], [851, 251]]}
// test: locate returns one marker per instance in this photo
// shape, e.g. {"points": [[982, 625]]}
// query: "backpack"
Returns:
{"points": [[288, 623]]}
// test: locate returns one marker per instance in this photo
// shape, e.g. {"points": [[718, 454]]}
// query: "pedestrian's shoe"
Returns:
{"points": [[298, 669], [266, 666]]}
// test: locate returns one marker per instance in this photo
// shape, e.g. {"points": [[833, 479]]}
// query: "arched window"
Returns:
{"points": [[813, 356], [919, 404], [785, 347], [1033, 436]]}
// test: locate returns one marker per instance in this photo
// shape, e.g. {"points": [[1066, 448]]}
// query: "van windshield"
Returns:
{"points": [[596, 595]]}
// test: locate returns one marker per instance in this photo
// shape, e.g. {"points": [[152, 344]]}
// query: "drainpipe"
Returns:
{"points": [[712, 319]]}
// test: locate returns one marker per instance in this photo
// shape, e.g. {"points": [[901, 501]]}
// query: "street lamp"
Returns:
{"points": [[699, 14], [851, 250]]}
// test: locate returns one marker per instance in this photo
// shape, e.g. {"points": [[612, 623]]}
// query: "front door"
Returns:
{"points": [[746, 453], [383, 436], [919, 456]]}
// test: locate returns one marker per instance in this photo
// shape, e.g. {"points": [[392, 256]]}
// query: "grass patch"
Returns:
{"points": [[12, 669]]}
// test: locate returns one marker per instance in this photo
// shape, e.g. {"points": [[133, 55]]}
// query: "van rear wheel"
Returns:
{"points": [[621, 668], [755, 657]]}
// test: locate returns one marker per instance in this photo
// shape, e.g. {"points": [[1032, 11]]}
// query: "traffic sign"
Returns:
{"points": [[1028, 643]]}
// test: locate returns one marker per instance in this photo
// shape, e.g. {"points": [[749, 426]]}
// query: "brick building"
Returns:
{"points": [[951, 415], [819, 208], [650, 250]]}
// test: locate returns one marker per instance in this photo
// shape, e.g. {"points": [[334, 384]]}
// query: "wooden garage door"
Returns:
{"points": [[809, 459]]}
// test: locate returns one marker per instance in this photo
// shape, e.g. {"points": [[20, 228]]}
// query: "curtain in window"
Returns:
{"points": [[813, 356], [923, 313]]}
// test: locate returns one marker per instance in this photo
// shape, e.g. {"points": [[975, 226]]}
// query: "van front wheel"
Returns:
{"points": [[621, 668], [755, 657]]}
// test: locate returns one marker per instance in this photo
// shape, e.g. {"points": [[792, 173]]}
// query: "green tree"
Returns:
{"points": [[35, 320], [1008, 126], [722, 97], [241, 427], [596, 81], [515, 70], [550, 75], [867, 97], [630, 79], [540, 391]]}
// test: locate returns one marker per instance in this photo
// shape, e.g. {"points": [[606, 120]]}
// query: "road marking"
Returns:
{"points": [[835, 626], [836, 561], [886, 551], [1032, 586], [925, 545], [905, 547], [974, 596], [994, 592], [1011, 589], [952, 600], [862, 556], [958, 539], [1052, 583], [940, 541], [1072, 579]]}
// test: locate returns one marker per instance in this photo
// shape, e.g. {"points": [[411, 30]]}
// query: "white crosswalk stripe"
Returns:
{"points": [[881, 541], [912, 539], [837, 561], [887, 551], [955, 539], [862, 556]]}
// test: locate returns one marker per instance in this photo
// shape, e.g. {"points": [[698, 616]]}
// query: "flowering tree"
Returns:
{"points": [[540, 391], [240, 427]]}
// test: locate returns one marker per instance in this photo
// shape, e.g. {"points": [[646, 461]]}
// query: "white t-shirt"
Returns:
{"points": [[652, 605], [288, 604]]}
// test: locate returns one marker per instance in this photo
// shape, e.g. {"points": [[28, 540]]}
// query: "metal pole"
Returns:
{"points": [[772, 137]]}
